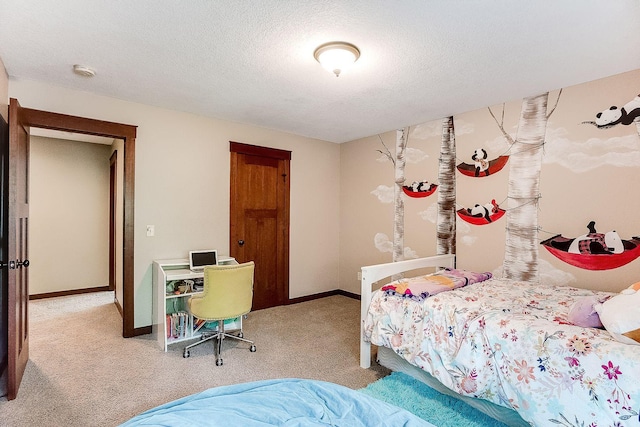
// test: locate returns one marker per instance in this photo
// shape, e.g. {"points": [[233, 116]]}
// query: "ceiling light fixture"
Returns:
{"points": [[84, 71], [336, 56]]}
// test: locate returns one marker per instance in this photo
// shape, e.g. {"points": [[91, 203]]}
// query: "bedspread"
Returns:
{"points": [[510, 343], [283, 402]]}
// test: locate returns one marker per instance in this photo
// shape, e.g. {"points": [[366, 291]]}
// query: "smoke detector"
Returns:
{"points": [[84, 71]]}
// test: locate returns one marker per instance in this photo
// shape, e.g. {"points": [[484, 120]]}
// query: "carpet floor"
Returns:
{"points": [[82, 373], [444, 411]]}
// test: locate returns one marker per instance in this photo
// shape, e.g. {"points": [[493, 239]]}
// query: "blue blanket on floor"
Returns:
{"points": [[282, 402]]}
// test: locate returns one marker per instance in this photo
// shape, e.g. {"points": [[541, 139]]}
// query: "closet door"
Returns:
{"points": [[259, 222]]}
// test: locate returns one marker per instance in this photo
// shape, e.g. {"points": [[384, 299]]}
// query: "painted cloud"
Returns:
{"points": [[384, 193], [383, 244], [583, 156]]}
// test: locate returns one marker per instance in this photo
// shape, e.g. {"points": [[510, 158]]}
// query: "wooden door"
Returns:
{"points": [[259, 220], [17, 219]]}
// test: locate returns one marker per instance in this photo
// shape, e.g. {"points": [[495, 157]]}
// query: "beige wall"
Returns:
{"points": [[362, 216], [587, 174], [182, 186], [4, 91], [68, 215]]}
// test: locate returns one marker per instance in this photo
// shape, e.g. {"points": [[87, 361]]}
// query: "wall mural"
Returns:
{"points": [[446, 217], [481, 214], [394, 195], [486, 213], [446, 240], [481, 166], [626, 115], [532, 145], [402, 135], [419, 189], [593, 250]]}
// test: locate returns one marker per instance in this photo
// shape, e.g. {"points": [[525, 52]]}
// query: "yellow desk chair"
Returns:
{"points": [[228, 294]]}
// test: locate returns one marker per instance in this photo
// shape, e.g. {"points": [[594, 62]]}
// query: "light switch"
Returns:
{"points": [[151, 230]]}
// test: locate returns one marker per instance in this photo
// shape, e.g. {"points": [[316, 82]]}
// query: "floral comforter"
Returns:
{"points": [[510, 343]]}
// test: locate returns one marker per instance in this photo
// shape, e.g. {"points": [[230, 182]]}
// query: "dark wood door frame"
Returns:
{"points": [[66, 123], [113, 197]]}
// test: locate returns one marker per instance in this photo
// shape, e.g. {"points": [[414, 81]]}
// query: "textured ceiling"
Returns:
{"points": [[252, 61]]}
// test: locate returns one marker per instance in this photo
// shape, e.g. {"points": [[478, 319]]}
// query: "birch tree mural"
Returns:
{"points": [[398, 218], [521, 248], [446, 222]]}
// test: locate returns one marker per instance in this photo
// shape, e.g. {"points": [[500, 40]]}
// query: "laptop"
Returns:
{"points": [[199, 259]]}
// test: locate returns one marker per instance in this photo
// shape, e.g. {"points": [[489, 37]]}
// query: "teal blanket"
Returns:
{"points": [[282, 402]]}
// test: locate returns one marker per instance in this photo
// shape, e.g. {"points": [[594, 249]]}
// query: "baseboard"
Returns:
{"points": [[118, 306], [70, 292], [144, 330], [348, 294], [324, 295]]}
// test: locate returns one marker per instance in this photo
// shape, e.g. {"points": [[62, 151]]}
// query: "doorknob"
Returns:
{"points": [[241, 242]]}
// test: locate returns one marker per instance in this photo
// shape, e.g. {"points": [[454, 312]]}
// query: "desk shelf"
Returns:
{"points": [[165, 305]]}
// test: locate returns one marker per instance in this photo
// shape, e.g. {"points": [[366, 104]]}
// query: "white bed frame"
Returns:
{"points": [[374, 273]]}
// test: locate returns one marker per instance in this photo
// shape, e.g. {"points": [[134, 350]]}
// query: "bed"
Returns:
{"points": [[289, 401], [505, 347]]}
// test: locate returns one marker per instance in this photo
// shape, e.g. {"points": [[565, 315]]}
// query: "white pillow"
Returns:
{"points": [[620, 315]]}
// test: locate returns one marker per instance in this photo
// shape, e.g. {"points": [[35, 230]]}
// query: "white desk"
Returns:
{"points": [[173, 271]]}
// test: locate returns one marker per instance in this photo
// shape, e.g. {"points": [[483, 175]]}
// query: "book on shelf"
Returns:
{"points": [[177, 324]]}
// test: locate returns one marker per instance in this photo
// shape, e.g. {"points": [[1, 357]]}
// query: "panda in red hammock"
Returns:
{"points": [[597, 243], [485, 210], [480, 162]]}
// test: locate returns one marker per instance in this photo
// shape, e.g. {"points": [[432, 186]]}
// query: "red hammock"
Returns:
{"points": [[479, 220], [418, 194], [494, 166], [557, 244]]}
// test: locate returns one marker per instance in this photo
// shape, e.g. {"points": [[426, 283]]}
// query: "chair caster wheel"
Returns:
{"points": [[240, 335], [186, 354], [218, 362], [252, 349]]}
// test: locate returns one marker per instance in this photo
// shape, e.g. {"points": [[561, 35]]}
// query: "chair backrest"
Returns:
{"points": [[228, 291]]}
